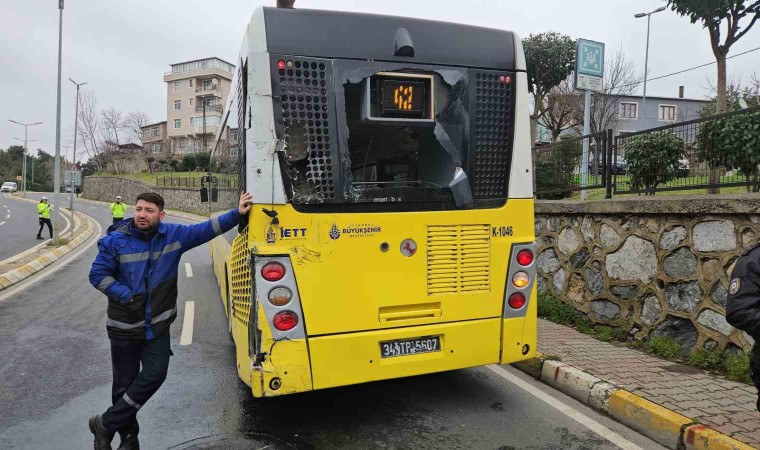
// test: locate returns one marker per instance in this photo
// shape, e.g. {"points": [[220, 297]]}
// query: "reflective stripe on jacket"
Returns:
{"points": [[117, 210], [43, 210], [139, 276]]}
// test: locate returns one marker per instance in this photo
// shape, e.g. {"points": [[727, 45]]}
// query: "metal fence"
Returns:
{"points": [[192, 182], [558, 166], [715, 151], [711, 152]]}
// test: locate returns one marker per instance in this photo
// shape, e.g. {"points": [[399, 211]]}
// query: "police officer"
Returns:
{"points": [[743, 306], [117, 209], [43, 211]]}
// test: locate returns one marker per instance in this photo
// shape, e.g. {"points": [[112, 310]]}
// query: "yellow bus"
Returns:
{"points": [[392, 233]]}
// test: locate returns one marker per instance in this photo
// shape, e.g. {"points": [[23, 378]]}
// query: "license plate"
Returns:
{"points": [[404, 347]]}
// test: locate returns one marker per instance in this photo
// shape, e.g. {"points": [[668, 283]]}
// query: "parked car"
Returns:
{"points": [[619, 167], [9, 186]]}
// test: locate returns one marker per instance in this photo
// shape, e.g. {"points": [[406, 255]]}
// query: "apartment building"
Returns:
{"points": [[154, 139], [196, 94]]}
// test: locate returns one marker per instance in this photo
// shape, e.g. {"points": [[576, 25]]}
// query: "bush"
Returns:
{"points": [[733, 143], [557, 311], [556, 168], [737, 367], [653, 160], [664, 347]]}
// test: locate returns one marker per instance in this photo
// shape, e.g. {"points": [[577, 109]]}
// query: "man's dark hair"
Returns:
{"points": [[152, 197]]}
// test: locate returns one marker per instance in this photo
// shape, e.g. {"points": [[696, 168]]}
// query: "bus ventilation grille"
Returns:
{"points": [[458, 259], [305, 117], [492, 125], [240, 290]]}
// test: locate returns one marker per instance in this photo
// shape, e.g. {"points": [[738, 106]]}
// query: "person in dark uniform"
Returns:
{"points": [[743, 306]]}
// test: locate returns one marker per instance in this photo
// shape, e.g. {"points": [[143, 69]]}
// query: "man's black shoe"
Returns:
{"points": [[39, 237], [129, 442], [103, 437]]}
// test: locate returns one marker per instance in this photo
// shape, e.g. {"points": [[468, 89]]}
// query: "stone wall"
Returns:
{"points": [[188, 200], [653, 266]]}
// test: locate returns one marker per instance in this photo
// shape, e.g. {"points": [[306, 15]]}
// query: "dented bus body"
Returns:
{"points": [[393, 228]]}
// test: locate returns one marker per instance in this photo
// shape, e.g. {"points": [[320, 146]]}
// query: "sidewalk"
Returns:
{"points": [[725, 406]]}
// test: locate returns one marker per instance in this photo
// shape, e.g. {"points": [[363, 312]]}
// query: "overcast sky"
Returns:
{"points": [[123, 48]]}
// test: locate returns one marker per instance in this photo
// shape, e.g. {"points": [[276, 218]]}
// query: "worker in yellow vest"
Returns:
{"points": [[117, 209], [43, 211]]}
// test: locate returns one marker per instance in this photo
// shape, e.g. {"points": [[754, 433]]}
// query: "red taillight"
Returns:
{"points": [[285, 321], [516, 300], [281, 65], [273, 271], [525, 257]]}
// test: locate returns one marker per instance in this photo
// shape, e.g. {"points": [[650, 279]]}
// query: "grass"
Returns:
{"points": [[734, 366]]}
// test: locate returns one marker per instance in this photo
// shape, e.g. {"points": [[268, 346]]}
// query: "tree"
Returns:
{"points": [[556, 168], [549, 60], [89, 128], [733, 143], [563, 109], [134, 122], [712, 14]]}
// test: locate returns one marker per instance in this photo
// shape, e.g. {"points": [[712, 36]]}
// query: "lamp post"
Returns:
{"points": [[646, 61], [23, 165], [57, 173], [74, 154]]}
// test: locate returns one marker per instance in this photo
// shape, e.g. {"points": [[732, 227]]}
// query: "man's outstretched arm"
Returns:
{"points": [[198, 234]]}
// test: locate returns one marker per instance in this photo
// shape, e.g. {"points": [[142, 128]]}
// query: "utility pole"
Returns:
{"points": [[74, 155], [23, 166], [57, 173]]}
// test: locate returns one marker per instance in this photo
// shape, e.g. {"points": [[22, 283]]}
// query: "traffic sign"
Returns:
{"points": [[72, 177], [589, 65]]}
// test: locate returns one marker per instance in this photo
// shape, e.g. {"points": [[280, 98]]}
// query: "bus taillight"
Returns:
{"points": [[273, 271], [285, 321], [525, 257], [521, 279], [516, 300], [280, 296]]}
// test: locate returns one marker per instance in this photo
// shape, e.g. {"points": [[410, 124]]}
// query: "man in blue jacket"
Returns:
{"points": [[136, 268]]}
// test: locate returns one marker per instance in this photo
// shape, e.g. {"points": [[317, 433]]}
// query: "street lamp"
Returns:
{"points": [[646, 61], [23, 169], [74, 155], [57, 173]]}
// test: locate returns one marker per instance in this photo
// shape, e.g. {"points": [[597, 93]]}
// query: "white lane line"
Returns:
{"points": [[187, 324], [188, 270], [8, 216], [2, 223], [570, 412]]}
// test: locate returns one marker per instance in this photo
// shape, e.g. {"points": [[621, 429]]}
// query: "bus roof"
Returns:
{"points": [[335, 34]]}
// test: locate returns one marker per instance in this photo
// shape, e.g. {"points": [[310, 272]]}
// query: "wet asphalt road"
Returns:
{"points": [[55, 373], [19, 225]]}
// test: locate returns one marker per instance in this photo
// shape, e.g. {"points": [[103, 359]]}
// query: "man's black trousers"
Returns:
{"points": [[49, 224], [133, 387]]}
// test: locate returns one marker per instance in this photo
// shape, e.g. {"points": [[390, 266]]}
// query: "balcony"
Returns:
{"points": [[211, 88], [210, 109], [210, 129]]}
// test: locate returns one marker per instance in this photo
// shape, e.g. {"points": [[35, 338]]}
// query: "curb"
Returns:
{"points": [[36, 265], [656, 422]]}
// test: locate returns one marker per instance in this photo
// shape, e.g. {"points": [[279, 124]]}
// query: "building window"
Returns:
{"points": [[233, 135], [156, 148], [177, 105], [177, 123], [176, 86], [667, 113], [191, 102], [207, 85], [182, 145], [190, 81], [154, 132], [629, 110], [144, 133]]}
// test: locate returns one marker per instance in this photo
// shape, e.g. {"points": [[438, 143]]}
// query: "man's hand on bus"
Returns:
{"points": [[245, 203]]}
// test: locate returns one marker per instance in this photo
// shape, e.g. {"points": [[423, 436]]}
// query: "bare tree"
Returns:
{"points": [[563, 109], [89, 128], [620, 80], [135, 121], [113, 122]]}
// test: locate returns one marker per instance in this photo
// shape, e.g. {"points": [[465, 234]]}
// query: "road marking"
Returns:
{"points": [[46, 272], [187, 324], [570, 412], [2, 223], [188, 270]]}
